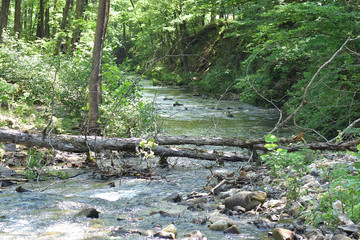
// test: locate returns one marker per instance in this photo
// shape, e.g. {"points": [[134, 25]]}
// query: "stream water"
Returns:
{"points": [[50, 214]]}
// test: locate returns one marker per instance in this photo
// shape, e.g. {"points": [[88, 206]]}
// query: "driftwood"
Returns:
{"points": [[80, 144]]}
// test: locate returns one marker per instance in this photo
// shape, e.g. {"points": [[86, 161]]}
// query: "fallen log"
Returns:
{"points": [[82, 144]]}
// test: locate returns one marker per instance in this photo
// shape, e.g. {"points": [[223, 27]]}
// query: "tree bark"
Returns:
{"points": [[78, 16], [40, 23], [17, 18], [81, 144], [95, 76], [5, 7], [47, 20], [61, 45]]}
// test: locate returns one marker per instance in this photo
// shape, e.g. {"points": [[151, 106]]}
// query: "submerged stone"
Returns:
{"points": [[88, 212]]}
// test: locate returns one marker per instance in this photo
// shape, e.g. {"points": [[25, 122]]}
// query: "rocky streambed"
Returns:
{"points": [[190, 199]]}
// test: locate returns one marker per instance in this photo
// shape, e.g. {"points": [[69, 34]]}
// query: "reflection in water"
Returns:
{"points": [[197, 116]]}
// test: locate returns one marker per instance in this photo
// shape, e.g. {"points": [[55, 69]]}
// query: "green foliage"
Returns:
{"points": [[342, 196], [279, 159], [289, 43], [356, 154]]}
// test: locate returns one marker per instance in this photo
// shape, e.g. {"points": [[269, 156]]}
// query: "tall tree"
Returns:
{"points": [[95, 76], [47, 20], [5, 6], [78, 15], [63, 24], [40, 23], [17, 18]]}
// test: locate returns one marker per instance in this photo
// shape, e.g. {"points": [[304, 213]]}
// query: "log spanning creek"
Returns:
{"points": [[129, 206]]}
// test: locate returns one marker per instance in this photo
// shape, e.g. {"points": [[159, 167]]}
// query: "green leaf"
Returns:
{"points": [[270, 145], [357, 165], [271, 138]]}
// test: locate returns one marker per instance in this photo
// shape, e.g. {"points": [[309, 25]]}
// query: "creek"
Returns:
{"points": [[50, 214]]}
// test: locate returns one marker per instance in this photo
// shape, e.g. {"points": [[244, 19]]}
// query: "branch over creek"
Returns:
{"points": [[80, 144]]}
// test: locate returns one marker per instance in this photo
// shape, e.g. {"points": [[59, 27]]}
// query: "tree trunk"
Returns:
{"points": [[61, 45], [17, 18], [47, 20], [78, 16], [5, 7], [82, 144], [53, 32], [40, 23], [95, 76]]}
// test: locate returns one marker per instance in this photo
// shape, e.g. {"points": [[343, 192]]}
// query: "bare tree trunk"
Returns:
{"points": [[17, 18], [53, 32], [47, 20], [95, 76], [68, 4], [40, 23], [78, 15], [5, 7]]}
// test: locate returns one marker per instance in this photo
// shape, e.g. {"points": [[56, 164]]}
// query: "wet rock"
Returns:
{"points": [[6, 183], [283, 234], [176, 104], [163, 234], [245, 199], [175, 197], [6, 171], [239, 209], [149, 233], [264, 224], [233, 229], [314, 234], [216, 218], [193, 201], [220, 225], [228, 193], [199, 220], [168, 99], [340, 237], [195, 235], [121, 232], [89, 213], [20, 189], [220, 222], [171, 229]]}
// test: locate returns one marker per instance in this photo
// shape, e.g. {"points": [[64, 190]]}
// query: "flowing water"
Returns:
{"points": [[50, 214]]}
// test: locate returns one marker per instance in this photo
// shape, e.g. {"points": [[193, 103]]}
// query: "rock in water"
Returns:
{"points": [[171, 229], [89, 213], [245, 199], [233, 229], [283, 234]]}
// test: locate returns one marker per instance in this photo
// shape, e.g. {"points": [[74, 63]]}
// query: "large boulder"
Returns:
{"points": [[245, 199]]}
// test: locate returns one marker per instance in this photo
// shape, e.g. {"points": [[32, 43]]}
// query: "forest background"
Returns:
{"points": [[261, 52]]}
